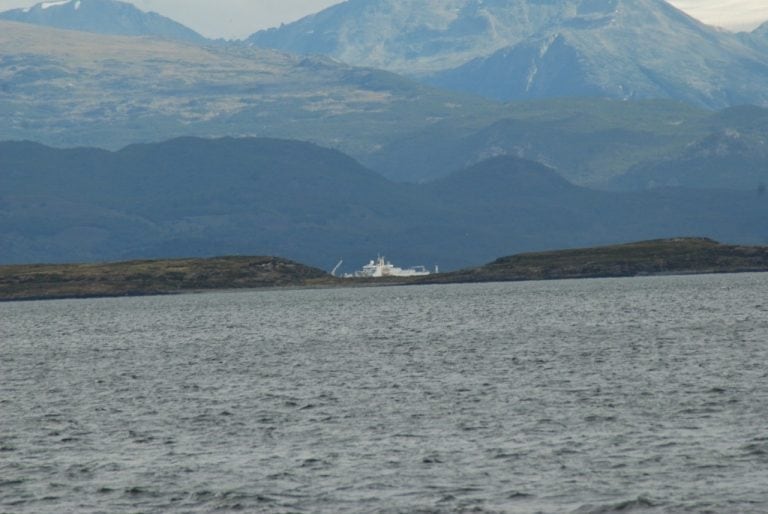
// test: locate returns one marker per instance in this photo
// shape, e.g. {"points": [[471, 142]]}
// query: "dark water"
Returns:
{"points": [[598, 396]]}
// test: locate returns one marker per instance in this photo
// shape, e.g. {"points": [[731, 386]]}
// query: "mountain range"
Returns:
{"points": [[67, 88], [204, 197], [596, 143], [377, 161], [500, 49], [519, 49]]}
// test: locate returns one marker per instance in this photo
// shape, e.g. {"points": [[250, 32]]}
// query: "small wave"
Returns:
{"points": [[229, 501], [281, 476], [140, 438], [10, 483], [411, 436], [757, 448], [600, 419], [138, 491], [473, 428], [316, 463], [637, 505], [508, 455], [454, 491], [79, 470]]}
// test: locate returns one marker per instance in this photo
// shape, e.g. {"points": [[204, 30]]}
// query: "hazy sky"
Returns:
{"points": [[733, 14], [240, 18]]}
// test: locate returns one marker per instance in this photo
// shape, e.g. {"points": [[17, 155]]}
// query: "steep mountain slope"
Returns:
{"points": [[759, 36], [103, 17], [514, 49], [411, 36], [199, 197], [633, 49]]}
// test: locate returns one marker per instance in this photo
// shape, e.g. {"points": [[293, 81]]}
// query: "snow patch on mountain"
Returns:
{"points": [[48, 5]]}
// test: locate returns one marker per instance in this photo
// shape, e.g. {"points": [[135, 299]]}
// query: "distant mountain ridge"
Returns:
{"points": [[518, 49], [205, 197], [728, 159], [103, 17]]}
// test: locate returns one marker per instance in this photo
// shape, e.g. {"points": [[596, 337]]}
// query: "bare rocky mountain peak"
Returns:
{"points": [[113, 17], [521, 49]]}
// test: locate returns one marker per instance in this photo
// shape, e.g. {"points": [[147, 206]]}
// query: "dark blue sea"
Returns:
{"points": [[589, 396]]}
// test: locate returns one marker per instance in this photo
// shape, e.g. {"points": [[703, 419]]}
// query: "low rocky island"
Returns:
{"points": [[153, 277], [678, 256], [659, 257]]}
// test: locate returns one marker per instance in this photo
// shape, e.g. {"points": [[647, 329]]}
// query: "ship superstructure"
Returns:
{"points": [[383, 268]]}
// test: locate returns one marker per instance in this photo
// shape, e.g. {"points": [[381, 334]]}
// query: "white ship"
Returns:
{"points": [[383, 268]]}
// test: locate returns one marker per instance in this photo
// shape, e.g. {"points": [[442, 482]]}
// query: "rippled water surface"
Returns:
{"points": [[636, 395]]}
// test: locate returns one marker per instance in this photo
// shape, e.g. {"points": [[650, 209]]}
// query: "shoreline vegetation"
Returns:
{"points": [[678, 256]]}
